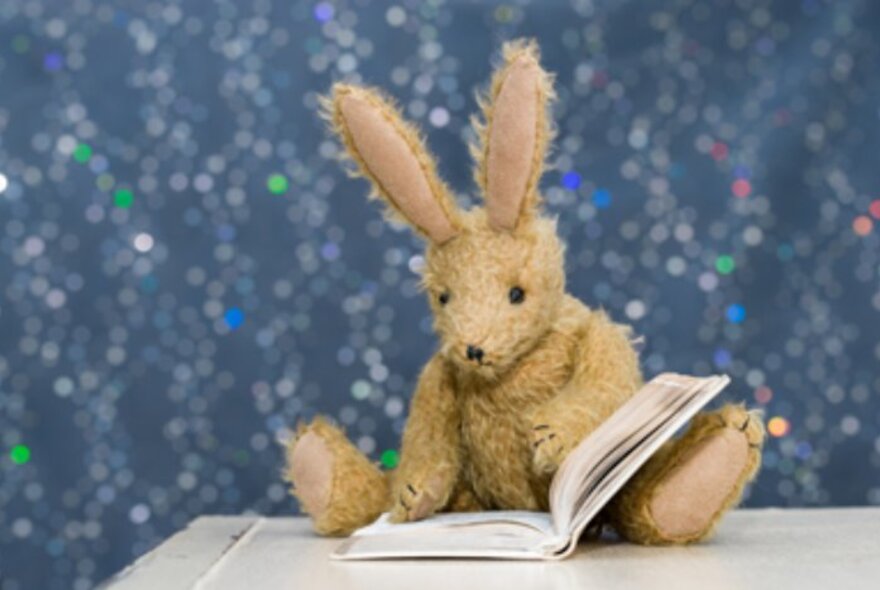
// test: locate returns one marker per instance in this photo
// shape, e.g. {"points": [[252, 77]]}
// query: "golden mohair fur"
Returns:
{"points": [[524, 371]]}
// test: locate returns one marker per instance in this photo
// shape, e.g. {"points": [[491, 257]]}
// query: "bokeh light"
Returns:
{"points": [[862, 225], [390, 458], [123, 198], [778, 426], [602, 198], [763, 395], [20, 454], [234, 318], [736, 313], [277, 184], [571, 180], [741, 188], [725, 264], [82, 153]]}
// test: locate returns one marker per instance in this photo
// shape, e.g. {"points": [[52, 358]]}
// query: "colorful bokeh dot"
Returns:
{"points": [[571, 180], [390, 458], [123, 198], [719, 151], [778, 426], [736, 313], [725, 264], [874, 209], [82, 153], [323, 12], [741, 188], [763, 394], [862, 225], [277, 184], [53, 61], [234, 318], [20, 454], [722, 358], [602, 198]]}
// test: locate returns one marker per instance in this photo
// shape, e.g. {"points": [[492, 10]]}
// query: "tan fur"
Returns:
{"points": [[489, 431]]}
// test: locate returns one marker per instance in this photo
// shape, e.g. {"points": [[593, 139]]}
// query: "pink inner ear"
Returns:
{"points": [[511, 158], [395, 168]]}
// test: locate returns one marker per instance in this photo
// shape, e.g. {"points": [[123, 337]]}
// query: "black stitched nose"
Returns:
{"points": [[474, 353]]}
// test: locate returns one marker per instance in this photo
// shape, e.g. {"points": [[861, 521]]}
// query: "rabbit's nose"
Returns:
{"points": [[474, 353]]}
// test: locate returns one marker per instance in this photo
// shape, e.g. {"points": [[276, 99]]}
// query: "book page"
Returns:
{"points": [[536, 522], [465, 543], [496, 534]]}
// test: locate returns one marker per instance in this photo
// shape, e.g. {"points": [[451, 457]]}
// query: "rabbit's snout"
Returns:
{"points": [[474, 353]]}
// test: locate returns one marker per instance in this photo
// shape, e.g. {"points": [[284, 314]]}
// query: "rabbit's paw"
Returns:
{"points": [[550, 446], [416, 498]]}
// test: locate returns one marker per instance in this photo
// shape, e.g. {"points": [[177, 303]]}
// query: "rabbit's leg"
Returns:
{"points": [[333, 481], [684, 490], [430, 459]]}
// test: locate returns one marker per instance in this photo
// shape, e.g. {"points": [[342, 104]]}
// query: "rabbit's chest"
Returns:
{"points": [[495, 432]]}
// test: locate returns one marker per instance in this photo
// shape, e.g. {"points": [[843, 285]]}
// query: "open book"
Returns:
{"points": [[588, 478]]}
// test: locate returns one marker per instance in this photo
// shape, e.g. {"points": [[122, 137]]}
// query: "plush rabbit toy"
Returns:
{"points": [[524, 370]]}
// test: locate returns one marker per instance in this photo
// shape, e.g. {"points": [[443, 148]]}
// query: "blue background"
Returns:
{"points": [[187, 272]]}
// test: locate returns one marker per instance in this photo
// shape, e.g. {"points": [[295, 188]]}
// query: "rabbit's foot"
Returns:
{"points": [[417, 496], [333, 481], [684, 490]]}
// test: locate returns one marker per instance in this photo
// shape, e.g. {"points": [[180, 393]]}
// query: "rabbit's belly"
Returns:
{"points": [[497, 458]]}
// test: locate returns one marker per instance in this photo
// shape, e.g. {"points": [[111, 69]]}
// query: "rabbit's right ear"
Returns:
{"points": [[391, 155]]}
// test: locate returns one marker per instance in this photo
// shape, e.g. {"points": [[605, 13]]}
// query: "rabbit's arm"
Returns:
{"points": [[606, 374], [429, 463]]}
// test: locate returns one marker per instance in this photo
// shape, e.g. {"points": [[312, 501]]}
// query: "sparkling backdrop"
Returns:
{"points": [[187, 272]]}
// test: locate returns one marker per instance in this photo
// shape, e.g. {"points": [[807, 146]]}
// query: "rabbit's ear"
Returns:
{"points": [[514, 135], [389, 152]]}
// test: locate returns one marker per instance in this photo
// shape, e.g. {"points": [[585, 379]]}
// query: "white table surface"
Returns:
{"points": [[837, 549]]}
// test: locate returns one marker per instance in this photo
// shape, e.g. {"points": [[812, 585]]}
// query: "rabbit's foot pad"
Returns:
{"points": [[311, 468], [699, 488]]}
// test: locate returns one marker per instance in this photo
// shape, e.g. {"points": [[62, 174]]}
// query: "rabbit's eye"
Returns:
{"points": [[443, 298], [516, 295]]}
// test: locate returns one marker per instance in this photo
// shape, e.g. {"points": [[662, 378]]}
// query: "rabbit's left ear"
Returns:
{"points": [[514, 136]]}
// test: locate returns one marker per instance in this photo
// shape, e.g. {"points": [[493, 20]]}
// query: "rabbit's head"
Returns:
{"points": [[494, 275]]}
